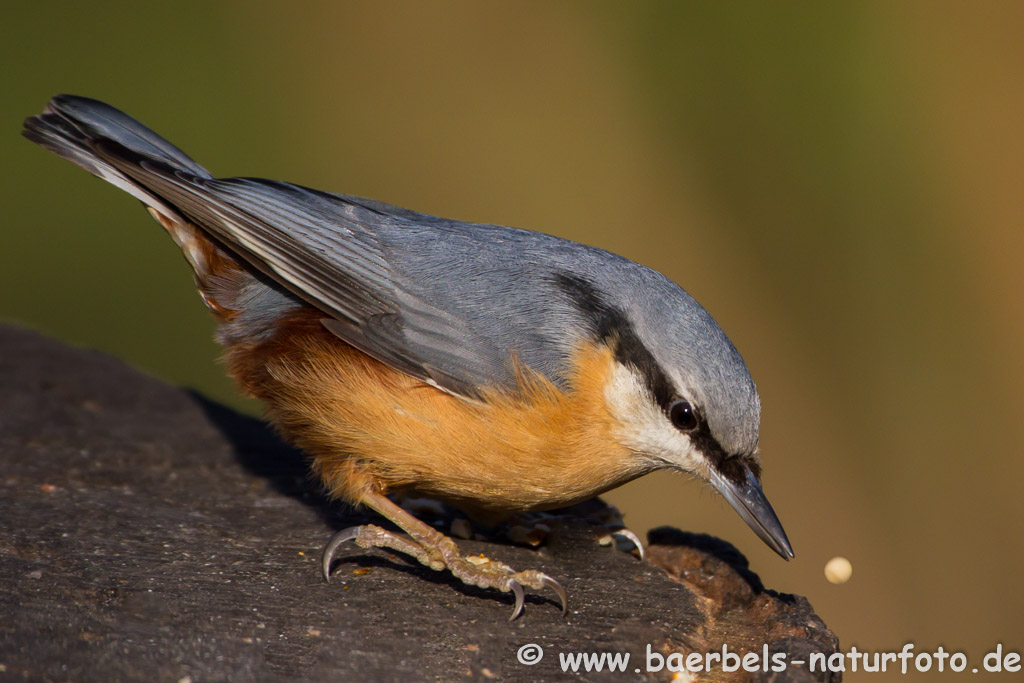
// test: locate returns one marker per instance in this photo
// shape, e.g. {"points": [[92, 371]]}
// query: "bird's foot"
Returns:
{"points": [[474, 570], [612, 530], [622, 538], [483, 572], [435, 550], [532, 529]]}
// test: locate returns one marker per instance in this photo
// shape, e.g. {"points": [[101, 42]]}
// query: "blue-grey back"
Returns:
{"points": [[449, 302]]}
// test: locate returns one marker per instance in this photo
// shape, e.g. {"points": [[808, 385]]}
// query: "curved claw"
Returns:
{"points": [[632, 538], [332, 545], [559, 591], [520, 598]]}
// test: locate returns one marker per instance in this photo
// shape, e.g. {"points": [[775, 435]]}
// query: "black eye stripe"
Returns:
{"points": [[612, 326]]}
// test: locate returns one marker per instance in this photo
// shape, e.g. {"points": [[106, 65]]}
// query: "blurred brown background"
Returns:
{"points": [[839, 185]]}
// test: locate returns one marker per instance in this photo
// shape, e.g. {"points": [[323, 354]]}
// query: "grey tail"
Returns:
{"points": [[76, 128], [71, 125], [110, 145]]}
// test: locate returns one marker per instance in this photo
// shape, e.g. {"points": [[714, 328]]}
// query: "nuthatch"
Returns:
{"points": [[496, 369]]}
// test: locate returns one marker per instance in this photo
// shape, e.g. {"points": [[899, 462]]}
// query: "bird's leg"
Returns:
{"points": [[437, 551]]}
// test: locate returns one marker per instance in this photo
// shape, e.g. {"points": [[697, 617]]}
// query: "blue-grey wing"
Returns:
{"points": [[454, 304], [439, 300]]}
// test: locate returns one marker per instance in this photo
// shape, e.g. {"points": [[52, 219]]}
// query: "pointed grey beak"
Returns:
{"points": [[748, 500]]}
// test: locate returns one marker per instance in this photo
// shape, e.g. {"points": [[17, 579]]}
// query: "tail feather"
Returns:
{"points": [[85, 131], [72, 127], [70, 124]]}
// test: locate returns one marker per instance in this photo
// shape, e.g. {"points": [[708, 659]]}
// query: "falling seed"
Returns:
{"points": [[838, 570]]}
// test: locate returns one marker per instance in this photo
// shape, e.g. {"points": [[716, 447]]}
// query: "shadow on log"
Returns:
{"points": [[147, 533]]}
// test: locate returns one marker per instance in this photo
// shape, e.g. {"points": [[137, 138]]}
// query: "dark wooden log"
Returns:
{"points": [[148, 534]]}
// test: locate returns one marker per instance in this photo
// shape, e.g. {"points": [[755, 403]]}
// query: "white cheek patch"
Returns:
{"points": [[642, 426]]}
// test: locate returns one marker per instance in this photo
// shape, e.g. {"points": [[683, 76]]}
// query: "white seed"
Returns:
{"points": [[838, 570]]}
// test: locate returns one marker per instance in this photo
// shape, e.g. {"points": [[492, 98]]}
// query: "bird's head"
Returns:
{"points": [[679, 392]]}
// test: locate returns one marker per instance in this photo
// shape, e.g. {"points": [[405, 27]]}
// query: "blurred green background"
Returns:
{"points": [[840, 185]]}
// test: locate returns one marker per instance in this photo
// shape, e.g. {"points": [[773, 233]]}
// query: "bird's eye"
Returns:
{"points": [[683, 416]]}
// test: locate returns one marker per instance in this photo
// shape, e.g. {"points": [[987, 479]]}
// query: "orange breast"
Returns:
{"points": [[367, 425]]}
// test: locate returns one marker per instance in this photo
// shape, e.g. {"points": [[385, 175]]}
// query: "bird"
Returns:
{"points": [[495, 369]]}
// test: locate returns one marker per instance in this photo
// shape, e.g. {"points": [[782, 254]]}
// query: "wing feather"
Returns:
{"points": [[325, 250]]}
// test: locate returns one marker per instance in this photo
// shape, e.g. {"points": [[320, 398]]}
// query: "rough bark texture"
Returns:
{"points": [[147, 533]]}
